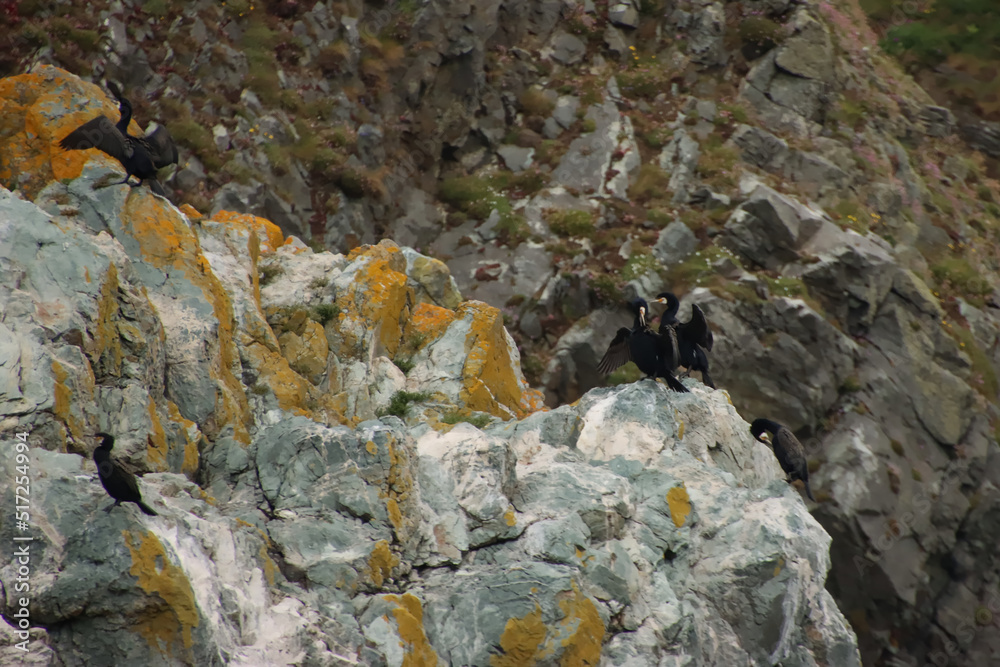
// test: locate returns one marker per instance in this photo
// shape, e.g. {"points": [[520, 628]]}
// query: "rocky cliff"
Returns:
{"points": [[764, 157], [347, 464]]}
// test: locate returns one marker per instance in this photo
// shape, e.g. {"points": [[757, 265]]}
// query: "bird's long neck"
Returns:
{"points": [[106, 444], [771, 426], [670, 314], [125, 108]]}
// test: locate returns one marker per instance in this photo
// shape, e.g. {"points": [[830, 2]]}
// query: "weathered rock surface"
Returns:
{"points": [[306, 517]]}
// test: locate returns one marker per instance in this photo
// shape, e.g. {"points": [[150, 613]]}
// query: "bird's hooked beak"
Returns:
{"points": [[765, 438], [642, 315], [662, 300]]}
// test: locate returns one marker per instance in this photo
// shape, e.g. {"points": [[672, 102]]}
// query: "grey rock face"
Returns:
{"points": [[592, 157], [808, 52], [516, 158], [938, 121], [679, 158], [565, 111], [769, 228], [674, 244], [706, 35], [761, 148], [983, 136], [567, 49], [624, 14]]}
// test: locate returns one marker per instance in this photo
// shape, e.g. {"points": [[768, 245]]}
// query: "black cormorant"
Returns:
{"points": [[142, 157], [787, 449], [118, 482], [641, 345], [694, 338]]}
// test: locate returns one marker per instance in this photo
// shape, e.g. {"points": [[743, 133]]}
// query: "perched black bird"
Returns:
{"points": [[641, 345], [142, 157], [787, 449], [693, 338], [118, 482]]}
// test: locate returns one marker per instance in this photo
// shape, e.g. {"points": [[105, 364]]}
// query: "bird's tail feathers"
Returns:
{"points": [[146, 509], [674, 383], [808, 490], [707, 379]]}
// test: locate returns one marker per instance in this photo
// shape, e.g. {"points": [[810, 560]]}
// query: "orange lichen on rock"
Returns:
{"points": [[409, 615], [429, 321], [521, 641], [680, 505], [576, 638], [107, 351], [490, 378], [582, 630], [290, 389], [37, 110], [177, 615], [270, 234], [189, 465], [156, 451], [380, 562], [379, 295], [167, 242], [191, 212]]}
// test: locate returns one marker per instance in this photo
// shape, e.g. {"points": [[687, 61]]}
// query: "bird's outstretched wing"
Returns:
{"points": [[161, 147], [617, 354], [99, 133], [696, 330]]}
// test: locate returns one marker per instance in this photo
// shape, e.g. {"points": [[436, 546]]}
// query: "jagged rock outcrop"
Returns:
{"points": [[307, 514], [857, 300]]}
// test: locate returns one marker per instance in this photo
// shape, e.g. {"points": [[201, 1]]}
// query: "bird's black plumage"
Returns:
{"points": [[641, 345], [118, 482], [788, 450], [142, 157], [692, 338]]}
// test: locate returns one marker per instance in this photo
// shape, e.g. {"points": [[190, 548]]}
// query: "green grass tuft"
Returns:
{"points": [[400, 403], [455, 417]]}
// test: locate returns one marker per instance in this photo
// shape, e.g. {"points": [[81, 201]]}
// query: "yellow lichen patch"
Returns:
{"points": [[532, 400], [107, 351], [779, 566], [191, 212], [37, 110], [380, 562], [269, 567], [680, 505], [680, 425], [166, 241], [395, 516], [60, 405], [268, 232], [429, 321], [521, 641], [189, 466], [291, 390], [490, 380], [371, 447], [398, 485], [380, 296], [584, 631], [157, 575], [409, 615], [156, 451], [510, 517]]}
